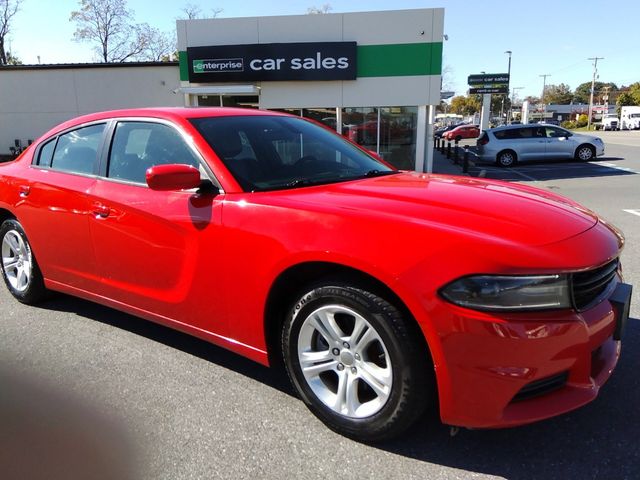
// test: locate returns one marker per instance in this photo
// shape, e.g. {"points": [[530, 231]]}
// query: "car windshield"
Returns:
{"points": [[274, 152]]}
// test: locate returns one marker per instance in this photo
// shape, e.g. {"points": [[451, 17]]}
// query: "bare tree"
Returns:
{"points": [[158, 46], [194, 12], [109, 25], [323, 9], [8, 8]]}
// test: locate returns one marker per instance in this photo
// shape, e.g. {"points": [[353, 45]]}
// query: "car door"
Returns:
{"points": [[56, 210], [529, 142], [559, 143], [156, 251]]}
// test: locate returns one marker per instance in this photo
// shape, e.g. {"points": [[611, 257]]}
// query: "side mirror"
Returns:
{"points": [[173, 177]]}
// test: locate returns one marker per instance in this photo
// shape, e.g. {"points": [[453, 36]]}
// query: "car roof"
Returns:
{"points": [[166, 113], [521, 125]]}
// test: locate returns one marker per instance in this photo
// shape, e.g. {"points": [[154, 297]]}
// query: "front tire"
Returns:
{"points": [[355, 361], [584, 153], [20, 270]]}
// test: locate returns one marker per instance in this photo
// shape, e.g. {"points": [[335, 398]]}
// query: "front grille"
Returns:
{"points": [[541, 387], [589, 288]]}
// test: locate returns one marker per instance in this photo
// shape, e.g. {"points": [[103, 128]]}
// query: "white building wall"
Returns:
{"points": [[33, 100], [365, 28]]}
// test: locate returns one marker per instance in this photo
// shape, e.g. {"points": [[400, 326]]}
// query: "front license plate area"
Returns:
{"points": [[621, 301]]}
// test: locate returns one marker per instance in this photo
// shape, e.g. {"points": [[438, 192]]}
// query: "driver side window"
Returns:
{"points": [[137, 146]]}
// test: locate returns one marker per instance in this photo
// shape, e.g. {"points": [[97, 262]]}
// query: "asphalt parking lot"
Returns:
{"points": [[89, 392]]}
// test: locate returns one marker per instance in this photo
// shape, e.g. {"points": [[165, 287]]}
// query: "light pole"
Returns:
{"points": [[544, 86], [508, 52]]}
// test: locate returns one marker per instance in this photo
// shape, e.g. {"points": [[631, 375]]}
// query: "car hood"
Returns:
{"points": [[480, 208]]}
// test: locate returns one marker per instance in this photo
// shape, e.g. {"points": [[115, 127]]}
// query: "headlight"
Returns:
{"points": [[509, 293]]}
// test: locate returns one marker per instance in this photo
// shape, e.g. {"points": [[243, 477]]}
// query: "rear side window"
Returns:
{"points": [[138, 146], [77, 151], [46, 153]]}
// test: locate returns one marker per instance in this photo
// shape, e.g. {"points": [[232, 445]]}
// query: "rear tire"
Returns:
{"points": [[20, 269], [355, 361], [506, 158]]}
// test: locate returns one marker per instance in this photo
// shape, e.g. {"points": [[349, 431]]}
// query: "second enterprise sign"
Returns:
{"points": [[273, 62]]}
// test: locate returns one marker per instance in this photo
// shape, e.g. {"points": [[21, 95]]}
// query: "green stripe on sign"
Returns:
{"points": [[400, 60], [184, 66]]}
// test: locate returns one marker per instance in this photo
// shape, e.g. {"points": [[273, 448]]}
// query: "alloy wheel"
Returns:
{"points": [[344, 361], [16, 260]]}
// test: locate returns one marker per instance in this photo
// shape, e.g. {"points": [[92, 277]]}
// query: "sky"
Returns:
{"points": [[553, 38]]}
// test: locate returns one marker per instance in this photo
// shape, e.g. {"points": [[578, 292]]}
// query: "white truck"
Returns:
{"points": [[610, 122], [630, 118]]}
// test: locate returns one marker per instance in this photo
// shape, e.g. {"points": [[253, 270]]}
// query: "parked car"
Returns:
{"points": [[462, 131], [518, 143], [442, 130], [282, 241]]}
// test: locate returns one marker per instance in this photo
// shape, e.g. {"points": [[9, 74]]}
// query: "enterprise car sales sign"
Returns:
{"points": [[273, 62], [488, 83]]}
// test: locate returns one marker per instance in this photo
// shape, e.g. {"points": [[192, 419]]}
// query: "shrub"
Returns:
{"points": [[568, 124], [582, 121]]}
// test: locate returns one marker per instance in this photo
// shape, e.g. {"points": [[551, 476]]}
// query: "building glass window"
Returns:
{"points": [[398, 128], [326, 116], [361, 126]]}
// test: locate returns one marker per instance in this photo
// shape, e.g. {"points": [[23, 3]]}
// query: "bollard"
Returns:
{"points": [[449, 149], [435, 142], [465, 161], [456, 152]]}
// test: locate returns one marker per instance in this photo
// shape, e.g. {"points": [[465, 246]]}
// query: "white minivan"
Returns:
{"points": [[518, 143]]}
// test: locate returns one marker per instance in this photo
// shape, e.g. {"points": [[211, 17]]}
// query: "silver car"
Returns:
{"points": [[518, 143]]}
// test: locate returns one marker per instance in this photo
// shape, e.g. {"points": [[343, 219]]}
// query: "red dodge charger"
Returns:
{"points": [[379, 291]]}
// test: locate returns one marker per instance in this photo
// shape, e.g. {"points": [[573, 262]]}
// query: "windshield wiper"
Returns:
{"points": [[379, 173]]}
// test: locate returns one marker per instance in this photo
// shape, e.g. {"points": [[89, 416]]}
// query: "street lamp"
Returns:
{"points": [[508, 52]]}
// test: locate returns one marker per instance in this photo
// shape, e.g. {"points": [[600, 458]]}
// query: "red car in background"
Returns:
{"points": [[462, 131], [379, 291]]}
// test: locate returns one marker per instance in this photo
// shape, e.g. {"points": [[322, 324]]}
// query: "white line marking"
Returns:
{"points": [[633, 212], [524, 175]]}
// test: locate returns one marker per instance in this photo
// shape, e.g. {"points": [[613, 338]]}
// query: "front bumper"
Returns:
{"points": [[510, 370]]}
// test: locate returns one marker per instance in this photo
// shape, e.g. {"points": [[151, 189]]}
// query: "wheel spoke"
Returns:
{"points": [[14, 244], [365, 339], [324, 322], [9, 262], [379, 379], [347, 395], [314, 363]]}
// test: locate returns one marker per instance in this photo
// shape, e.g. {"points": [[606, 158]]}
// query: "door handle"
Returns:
{"points": [[24, 190], [101, 210]]}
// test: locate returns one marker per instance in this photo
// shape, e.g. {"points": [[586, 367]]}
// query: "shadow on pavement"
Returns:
{"points": [[181, 341], [596, 441]]}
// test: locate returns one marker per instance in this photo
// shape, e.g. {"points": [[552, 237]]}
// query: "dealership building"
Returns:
{"points": [[373, 76]]}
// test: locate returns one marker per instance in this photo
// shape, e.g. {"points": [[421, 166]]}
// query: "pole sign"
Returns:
{"points": [[489, 83], [273, 62]]}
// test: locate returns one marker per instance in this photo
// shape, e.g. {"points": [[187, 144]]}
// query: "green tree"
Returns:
{"points": [[634, 91], [625, 99], [558, 94], [583, 91], [465, 105]]}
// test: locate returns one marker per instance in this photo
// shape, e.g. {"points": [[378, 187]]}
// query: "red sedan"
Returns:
{"points": [[462, 131], [379, 291]]}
